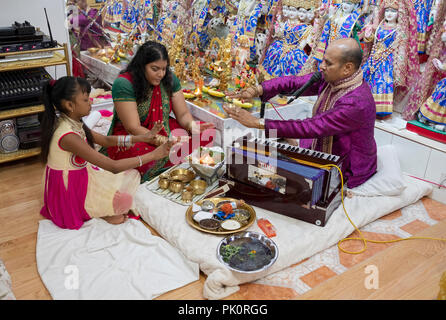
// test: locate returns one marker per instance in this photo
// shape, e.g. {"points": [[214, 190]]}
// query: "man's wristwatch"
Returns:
{"points": [[261, 123]]}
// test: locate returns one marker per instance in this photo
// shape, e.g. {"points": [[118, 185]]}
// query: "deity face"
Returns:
{"points": [[302, 14], [292, 13], [391, 15], [285, 11], [310, 15], [347, 6]]}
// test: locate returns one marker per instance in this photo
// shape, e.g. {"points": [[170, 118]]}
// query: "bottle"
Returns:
{"points": [[266, 227]]}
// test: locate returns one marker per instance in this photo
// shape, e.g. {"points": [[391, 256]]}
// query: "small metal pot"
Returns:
{"points": [[199, 186], [163, 183], [176, 186], [187, 194]]}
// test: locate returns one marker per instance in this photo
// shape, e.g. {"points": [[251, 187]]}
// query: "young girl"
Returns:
{"points": [[76, 190]]}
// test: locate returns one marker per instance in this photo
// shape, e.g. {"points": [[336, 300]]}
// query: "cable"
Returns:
{"points": [[364, 240], [272, 104]]}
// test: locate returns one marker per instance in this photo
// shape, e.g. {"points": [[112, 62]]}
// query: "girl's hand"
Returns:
{"points": [[151, 135], [163, 150]]}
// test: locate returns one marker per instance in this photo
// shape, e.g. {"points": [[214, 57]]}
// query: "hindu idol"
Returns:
{"points": [[393, 63], [427, 102], [285, 55], [343, 21]]}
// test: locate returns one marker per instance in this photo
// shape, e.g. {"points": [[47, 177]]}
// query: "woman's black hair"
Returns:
{"points": [[149, 52], [65, 88]]}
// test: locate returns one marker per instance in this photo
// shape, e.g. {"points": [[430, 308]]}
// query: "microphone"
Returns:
{"points": [[315, 77]]}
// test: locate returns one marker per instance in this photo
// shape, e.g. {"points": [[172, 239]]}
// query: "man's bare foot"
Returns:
{"points": [[116, 219]]}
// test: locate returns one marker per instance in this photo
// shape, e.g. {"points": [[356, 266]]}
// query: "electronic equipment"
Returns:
{"points": [[285, 179], [29, 131], [9, 142], [24, 37], [21, 88], [296, 94]]}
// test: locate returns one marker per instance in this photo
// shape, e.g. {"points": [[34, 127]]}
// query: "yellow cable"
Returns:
{"points": [[364, 240]]}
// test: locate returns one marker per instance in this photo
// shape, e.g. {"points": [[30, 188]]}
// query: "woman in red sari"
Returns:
{"points": [[145, 93]]}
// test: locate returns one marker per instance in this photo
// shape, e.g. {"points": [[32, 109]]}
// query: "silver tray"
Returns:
{"points": [[153, 186], [252, 235]]}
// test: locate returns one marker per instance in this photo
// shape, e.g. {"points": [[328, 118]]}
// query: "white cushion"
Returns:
{"points": [[388, 180]]}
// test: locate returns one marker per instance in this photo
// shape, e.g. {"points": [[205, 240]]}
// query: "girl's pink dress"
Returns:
{"points": [[76, 191]]}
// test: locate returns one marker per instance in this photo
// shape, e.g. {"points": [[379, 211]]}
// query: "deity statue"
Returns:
{"points": [[206, 17], [343, 21], [137, 15], [248, 15], [113, 11], [422, 10], [393, 63], [427, 102], [286, 55], [241, 53], [168, 22]]}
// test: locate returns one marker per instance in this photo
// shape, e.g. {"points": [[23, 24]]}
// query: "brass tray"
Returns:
{"points": [[194, 224]]}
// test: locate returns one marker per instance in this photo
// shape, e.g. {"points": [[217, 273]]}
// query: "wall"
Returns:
{"points": [[32, 11]]}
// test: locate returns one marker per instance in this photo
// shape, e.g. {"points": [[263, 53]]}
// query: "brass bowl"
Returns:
{"points": [[163, 183], [187, 194], [176, 186], [183, 175], [199, 186], [93, 50]]}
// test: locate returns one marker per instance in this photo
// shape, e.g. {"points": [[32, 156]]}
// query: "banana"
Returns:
{"points": [[105, 59], [240, 104], [205, 89], [216, 93], [188, 95]]}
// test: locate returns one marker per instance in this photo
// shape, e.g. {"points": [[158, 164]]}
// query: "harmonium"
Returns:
{"points": [[283, 178]]}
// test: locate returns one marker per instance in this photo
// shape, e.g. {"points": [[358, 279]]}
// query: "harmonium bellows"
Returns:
{"points": [[283, 178]]}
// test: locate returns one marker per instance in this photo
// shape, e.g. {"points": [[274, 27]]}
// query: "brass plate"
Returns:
{"points": [[194, 224]]}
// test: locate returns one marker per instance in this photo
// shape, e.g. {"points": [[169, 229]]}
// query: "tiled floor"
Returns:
{"points": [[302, 277]]}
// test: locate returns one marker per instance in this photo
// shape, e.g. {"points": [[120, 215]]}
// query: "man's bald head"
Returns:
{"points": [[349, 51], [342, 58]]}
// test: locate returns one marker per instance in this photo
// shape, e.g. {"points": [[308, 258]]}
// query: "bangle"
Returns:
{"points": [[127, 143], [140, 161], [120, 141]]}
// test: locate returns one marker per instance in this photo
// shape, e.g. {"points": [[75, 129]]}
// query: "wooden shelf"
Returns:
{"points": [[19, 112], [20, 154], [58, 58]]}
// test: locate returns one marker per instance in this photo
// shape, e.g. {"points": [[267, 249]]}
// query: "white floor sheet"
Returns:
{"points": [[296, 240], [105, 261]]}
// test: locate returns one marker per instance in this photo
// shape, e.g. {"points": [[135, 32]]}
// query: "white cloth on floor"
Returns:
{"points": [[296, 240], [5, 284], [106, 261]]}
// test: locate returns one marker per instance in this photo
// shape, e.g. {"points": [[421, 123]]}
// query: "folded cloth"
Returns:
{"points": [[5, 284], [106, 261]]}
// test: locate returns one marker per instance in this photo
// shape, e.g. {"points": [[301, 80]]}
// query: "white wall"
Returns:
{"points": [[32, 11]]}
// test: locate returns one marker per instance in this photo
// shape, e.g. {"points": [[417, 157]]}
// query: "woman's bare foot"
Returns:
{"points": [[116, 219]]}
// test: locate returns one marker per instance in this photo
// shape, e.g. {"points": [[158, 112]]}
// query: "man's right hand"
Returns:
{"points": [[245, 94]]}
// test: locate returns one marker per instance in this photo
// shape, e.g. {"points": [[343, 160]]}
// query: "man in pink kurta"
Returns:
{"points": [[343, 117]]}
